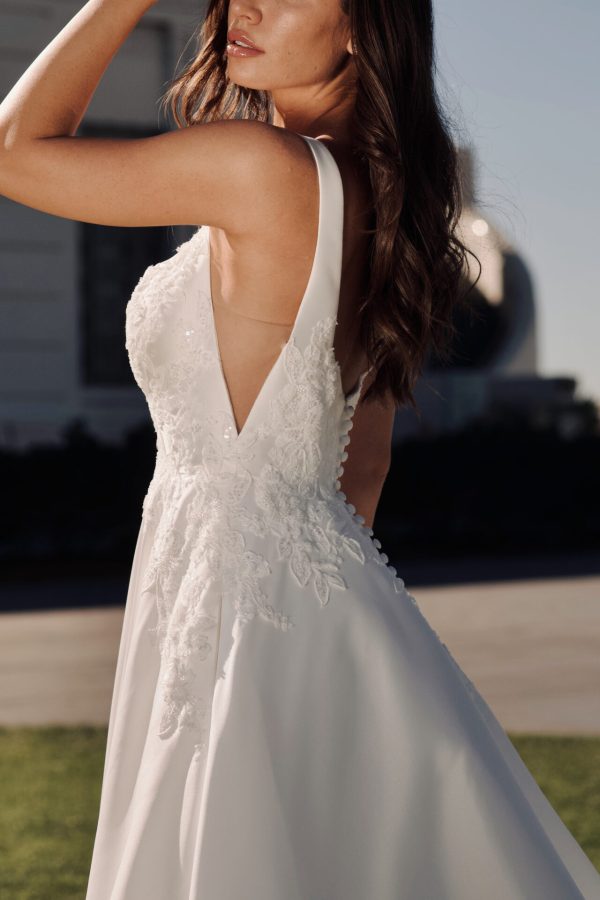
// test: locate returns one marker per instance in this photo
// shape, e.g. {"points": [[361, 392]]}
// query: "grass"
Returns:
{"points": [[50, 788], [568, 771]]}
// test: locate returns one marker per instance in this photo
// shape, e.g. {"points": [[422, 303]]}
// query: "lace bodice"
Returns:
{"points": [[228, 507]]}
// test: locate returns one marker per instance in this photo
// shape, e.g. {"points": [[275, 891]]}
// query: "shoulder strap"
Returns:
{"points": [[322, 294]]}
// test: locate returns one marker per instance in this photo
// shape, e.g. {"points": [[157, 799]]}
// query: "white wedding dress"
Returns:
{"points": [[285, 724]]}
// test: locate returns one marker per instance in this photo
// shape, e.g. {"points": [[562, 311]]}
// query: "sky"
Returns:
{"points": [[522, 82]]}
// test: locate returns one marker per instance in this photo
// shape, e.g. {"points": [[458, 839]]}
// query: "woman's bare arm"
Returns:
{"points": [[52, 95], [189, 176]]}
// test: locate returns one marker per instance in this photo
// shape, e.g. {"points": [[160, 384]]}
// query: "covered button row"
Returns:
{"points": [[360, 520]]}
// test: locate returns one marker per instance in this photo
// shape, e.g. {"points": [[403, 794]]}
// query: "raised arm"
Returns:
{"points": [[189, 176]]}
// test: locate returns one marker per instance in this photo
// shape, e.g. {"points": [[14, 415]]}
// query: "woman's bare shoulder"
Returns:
{"points": [[188, 176]]}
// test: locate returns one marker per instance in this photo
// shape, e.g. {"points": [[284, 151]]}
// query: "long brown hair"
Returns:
{"points": [[417, 264]]}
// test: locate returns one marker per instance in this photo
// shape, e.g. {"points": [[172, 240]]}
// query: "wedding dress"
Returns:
{"points": [[285, 724]]}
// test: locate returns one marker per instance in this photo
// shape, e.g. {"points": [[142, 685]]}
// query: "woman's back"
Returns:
{"points": [[259, 278]]}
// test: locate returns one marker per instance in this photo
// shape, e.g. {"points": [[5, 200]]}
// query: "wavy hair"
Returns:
{"points": [[417, 263]]}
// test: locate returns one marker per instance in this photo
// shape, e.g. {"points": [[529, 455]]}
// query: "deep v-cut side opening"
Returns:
{"points": [[238, 432]]}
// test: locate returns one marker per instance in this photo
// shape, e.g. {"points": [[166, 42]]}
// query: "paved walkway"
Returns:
{"points": [[531, 647]]}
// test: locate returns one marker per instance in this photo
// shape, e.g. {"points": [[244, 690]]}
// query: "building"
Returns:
{"points": [[64, 285], [493, 374]]}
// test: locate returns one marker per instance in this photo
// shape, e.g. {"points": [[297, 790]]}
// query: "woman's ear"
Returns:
{"points": [[349, 46]]}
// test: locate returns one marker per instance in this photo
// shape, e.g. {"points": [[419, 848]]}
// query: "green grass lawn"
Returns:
{"points": [[50, 789]]}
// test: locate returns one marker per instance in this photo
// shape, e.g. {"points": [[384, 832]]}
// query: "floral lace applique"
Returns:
{"points": [[287, 489], [159, 288], [199, 552], [211, 494], [169, 354]]}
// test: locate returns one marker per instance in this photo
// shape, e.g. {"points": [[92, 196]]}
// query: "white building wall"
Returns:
{"points": [[40, 381]]}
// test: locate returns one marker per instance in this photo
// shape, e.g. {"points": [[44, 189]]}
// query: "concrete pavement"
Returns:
{"points": [[532, 648]]}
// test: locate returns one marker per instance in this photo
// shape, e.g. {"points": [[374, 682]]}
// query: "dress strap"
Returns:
{"points": [[323, 289]]}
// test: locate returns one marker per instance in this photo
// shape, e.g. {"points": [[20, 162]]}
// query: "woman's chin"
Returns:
{"points": [[247, 83]]}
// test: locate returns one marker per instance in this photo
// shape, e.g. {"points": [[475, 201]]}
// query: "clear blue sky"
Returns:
{"points": [[523, 79]]}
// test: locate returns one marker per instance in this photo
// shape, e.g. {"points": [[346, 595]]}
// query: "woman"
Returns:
{"points": [[285, 724]]}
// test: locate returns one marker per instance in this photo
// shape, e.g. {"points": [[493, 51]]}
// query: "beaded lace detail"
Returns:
{"points": [[169, 371], [287, 489], [223, 512]]}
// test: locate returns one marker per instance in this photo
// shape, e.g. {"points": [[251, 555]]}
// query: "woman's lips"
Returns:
{"points": [[237, 50]]}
